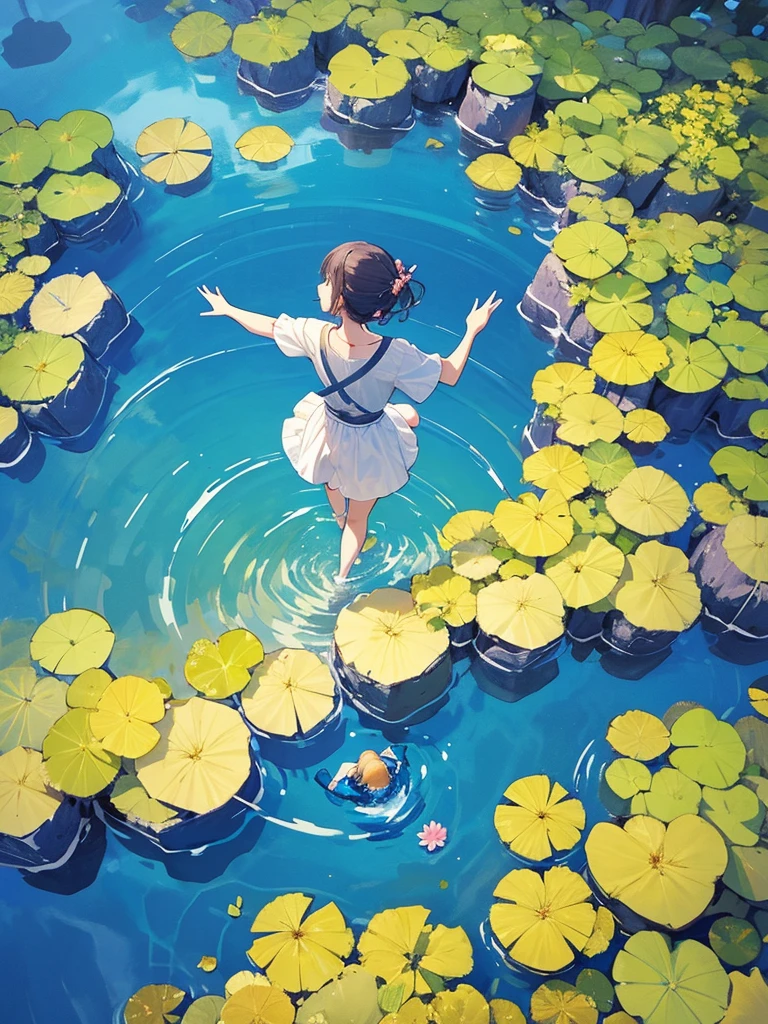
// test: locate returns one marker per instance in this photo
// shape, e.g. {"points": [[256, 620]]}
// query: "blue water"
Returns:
{"points": [[185, 519]]}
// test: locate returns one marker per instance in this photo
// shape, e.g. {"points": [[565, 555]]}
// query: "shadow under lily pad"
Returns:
{"points": [[34, 42]]}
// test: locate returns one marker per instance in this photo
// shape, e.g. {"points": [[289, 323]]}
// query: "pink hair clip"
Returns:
{"points": [[403, 276]]}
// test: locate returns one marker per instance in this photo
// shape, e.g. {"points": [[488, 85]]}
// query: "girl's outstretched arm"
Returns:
{"points": [[256, 323], [477, 319]]}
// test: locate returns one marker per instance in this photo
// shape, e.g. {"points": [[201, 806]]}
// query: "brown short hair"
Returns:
{"points": [[361, 276]]}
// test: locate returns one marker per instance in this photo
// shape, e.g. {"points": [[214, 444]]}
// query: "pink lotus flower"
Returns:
{"points": [[432, 836]]}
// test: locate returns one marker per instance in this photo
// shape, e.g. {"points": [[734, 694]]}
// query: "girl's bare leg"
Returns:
{"points": [[408, 413], [355, 532], [336, 501]]}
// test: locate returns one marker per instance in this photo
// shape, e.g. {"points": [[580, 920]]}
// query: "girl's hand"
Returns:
{"points": [[478, 316], [219, 305]]}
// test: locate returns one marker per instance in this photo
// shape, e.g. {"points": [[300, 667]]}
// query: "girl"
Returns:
{"points": [[347, 435]]}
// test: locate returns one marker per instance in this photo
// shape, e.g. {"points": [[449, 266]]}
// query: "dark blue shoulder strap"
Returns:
{"points": [[339, 386]]}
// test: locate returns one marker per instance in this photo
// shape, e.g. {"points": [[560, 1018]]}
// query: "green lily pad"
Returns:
{"points": [[271, 40], [746, 389], [735, 941], [696, 366], [690, 313], [701, 63], [647, 261], [707, 750], [354, 73], [672, 794], [747, 872], [743, 343], [75, 137], [68, 196], [607, 464], [749, 286], [494, 172], [627, 777], [590, 250], [616, 304], [40, 367], [24, 154], [736, 812], [202, 34], [540, 150], [591, 518], [593, 159], [29, 706], [205, 1010], [745, 470], [651, 141], [597, 987]]}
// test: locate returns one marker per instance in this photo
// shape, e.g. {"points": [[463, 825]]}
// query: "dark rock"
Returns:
{"points": [[732, 601], [280, 86], [622, 636], [388, 112], [495, 119], [539, 432], [433, 86], [684, 413], [546, 302], [668, 200]]}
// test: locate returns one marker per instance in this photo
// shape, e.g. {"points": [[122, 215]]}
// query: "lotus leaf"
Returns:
{"points": [[582, 115], [754, 734], [642, 426], [599, 989], [607, 464], [411, 1012], [591, 518], [557, 1002], [534, 526], [124, 715], [541, 920], [577, 72], [593, 159], [472, 525], [666, 874], [26, 799], [538, 819], [451, 601], [615, 304], [716, 504], [659, 591], [373, 24], [758, 424], [691, 181], [709, 751], [743, 343], [258, 1004], [746, 389], [651, 141], [24, 154], [300, 953], [540, 150], [385, 638], [349, 1000], [758, 698], [662, 985], [29, 706], [627, 777], [628, 357], [516, 566], [602, 933], [584, 419], [655, 35], [735, 941], [746, 544], [749, 285], [68, 303], [68, 196], [494, 172], [697, 366], [690, 313], [401, 948], [291, 691], [649, 502], [202, 758], [75, 137], [33, 266], [9, 421], [558, 381], [745, 470], [201, 34], [647, 261], [70, 642], [270, 41], [707, 287], [702, 64], [749, 998], [181, 150], [15, 290], [153, 1004], [736, 812], [590, 250], [671, 794], [501, 79], [130, 798], [747, 872], [638, 735], [220, 669], [557, 467], [526, 612], [354, 73], [465, 1005], [474, 559], [320, 15], [548, 36], [75, 761], [266, 144], [586, 571], [205, 1010]]}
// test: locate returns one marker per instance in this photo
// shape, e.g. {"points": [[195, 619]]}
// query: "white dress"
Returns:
{"points": [[361, 461]]}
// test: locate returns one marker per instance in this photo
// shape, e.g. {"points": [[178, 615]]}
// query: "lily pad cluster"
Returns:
{"points": [[62, 182]]}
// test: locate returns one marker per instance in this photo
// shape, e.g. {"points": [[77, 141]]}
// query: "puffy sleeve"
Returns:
{"points": [[297, 336], [419, 373]]}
